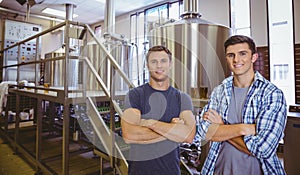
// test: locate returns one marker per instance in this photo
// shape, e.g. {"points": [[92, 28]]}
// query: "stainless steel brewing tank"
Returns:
{"points": [[122, 53], [55, 71], [93, 54], [198, 52]]}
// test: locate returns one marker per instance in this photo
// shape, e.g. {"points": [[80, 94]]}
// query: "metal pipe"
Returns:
{"points": [[109, 20], [190, 6], [70, 11], [190, 9], [109, 27], [69, 16], [65, 161], [38, 61], [65, 146], [137, 59], [27, 13]]}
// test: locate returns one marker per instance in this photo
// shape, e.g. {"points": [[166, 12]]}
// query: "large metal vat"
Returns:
{"points": [[55, 71], [81, 76], [197, 48], [122, 52]]}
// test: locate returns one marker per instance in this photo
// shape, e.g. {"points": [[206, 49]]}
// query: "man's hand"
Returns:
{"points": [[177, 120], [149, 122], [250, 129], [180, 129], [213, 117], [133, 132]]}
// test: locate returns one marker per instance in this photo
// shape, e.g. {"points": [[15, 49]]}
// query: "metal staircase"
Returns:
{"points": [[107, 136]]}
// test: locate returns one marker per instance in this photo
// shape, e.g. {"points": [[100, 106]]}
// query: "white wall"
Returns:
{"points": [[216, 11], [259, 21], [122, 25], [259, 24], [297, 20]]}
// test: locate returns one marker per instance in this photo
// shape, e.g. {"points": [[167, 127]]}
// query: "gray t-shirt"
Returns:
{"points": [[160, 158], [230, 160]]}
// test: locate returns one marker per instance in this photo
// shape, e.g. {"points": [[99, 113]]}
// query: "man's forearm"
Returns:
{"points": [[220, 132], [232, 133], [144, 141], [178, 132], [138, 134], [132, 132], [239, 143], [171, 131]]}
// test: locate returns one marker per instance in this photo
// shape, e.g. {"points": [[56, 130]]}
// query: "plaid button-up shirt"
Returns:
{"points": [[265, 106]]}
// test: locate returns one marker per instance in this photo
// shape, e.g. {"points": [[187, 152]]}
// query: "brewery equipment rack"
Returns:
{"points": [[64, 95]]}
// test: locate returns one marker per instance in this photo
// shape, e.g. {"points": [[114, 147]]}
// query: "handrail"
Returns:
{"points": [[98, 78], [37, 62], [111, 58], [102, 131], [102, 85]]}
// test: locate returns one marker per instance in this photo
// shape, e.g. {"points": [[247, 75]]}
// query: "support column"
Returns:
{"points": [[66, 113], [38, 142]]}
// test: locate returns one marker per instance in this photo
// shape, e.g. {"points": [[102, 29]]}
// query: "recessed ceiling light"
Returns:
{"points": [[102, 1], [54, 12]]}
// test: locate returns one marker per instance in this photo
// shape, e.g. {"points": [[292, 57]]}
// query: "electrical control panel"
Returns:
{"points": [[16, 31]]}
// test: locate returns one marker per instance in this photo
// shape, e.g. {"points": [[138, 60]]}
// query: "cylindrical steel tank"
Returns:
{"points": [[54, 70], [94, 54], [122, 52], [197, 48]]}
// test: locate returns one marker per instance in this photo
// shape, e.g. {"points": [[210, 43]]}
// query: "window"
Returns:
{"points": [[240, 17], [143, 22], [175, 10], [137, 37], [156, 16]]}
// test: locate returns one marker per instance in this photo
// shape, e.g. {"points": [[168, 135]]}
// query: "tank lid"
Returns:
{"points": [[187, 15], [192, 20]]}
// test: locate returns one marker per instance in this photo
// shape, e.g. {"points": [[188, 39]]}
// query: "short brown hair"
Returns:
{"points": [[237, 39], [157, 49]]}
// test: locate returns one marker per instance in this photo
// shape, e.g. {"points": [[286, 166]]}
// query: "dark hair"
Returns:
{"points": [[237, 39], [157, 49]]}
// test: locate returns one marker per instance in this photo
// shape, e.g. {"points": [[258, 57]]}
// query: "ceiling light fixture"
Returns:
{"points": [[102, 1], [54, 12]]}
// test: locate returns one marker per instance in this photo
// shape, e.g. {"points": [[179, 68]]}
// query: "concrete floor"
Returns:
{"points": [[12, 164]]}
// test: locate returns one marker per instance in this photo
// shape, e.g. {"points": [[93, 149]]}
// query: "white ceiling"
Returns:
{"points": [[88, 11]]}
